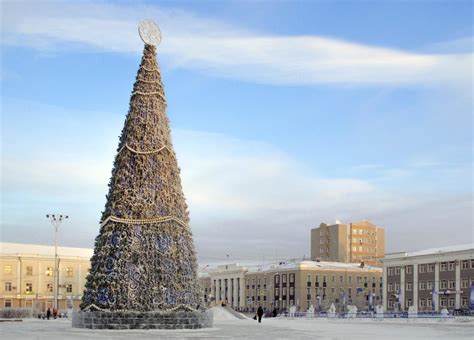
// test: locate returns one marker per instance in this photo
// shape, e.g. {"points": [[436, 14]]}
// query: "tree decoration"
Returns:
{"points": [[144, 258]]}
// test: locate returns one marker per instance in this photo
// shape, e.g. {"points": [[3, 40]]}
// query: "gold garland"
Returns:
{"points": [[144, 221], [149, 94], [181, 306], [145, 152]]}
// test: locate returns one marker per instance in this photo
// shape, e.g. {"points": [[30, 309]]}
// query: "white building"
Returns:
{"points": [[430, 279]]}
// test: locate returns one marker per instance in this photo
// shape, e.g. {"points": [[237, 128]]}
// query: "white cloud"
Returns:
{"points": [[222, 50]]}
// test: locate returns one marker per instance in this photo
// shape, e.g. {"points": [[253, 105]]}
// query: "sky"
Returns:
{"points": [[284, 114]]}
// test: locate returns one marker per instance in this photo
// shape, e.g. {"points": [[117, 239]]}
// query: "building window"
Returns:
{"points": [[283, 278], [390, 287], [451, 266], [7, 270], [397, 270], [49, 271], [442, 267], [390, 303], [422, 268], [29, 270], [422, 285], [465, 264], [451, 284], [464, 302], [429, 285], [277, 279], [408, 269], [443, 284], [49, 287], [409, 302], [29, 287], [422, 303], [431, 267], [69, 272], [8, 303], [8, 286], [464, 283], [341, 280], [292, 278], [451, 302], [409, 286], [292, 290], [472, 264], [350, 278]]}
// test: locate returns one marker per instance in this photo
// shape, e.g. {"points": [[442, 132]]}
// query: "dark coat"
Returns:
{"points": [[260, 311]]}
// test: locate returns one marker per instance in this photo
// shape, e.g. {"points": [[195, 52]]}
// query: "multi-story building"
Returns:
{"points": [[348, 242], [26, 276], [227, 285], [301, 284], [313, 283], [431, 279]]}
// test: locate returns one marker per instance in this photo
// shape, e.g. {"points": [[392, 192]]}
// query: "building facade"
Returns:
{"points": [[312, 283], [228, 285], [348, 242], [301, 284], [431, 279], [26, 276]]}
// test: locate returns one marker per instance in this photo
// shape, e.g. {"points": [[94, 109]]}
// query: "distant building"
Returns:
{"points": [[299, 284], [319, 284], [348, 242], [26, 276], [227, 285], [431, 279]]}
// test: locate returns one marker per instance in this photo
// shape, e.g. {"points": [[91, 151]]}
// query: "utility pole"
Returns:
{"points": [[56, 221]]}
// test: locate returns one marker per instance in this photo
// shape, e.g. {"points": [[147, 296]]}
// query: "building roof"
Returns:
{"points": [[432, 251], [40, 250], [314, 265]]}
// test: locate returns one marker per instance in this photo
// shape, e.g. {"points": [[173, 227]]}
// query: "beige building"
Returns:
{"points": [[228, 285], [299, 284], [431, 279], [26, 276], [315, 283], [348, 242]]}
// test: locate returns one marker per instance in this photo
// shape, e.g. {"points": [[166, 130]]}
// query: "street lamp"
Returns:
{"points": [[56, 221]]}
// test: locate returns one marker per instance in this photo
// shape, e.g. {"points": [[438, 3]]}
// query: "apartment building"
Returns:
{"points": [[348, 242], [26, 276], [431, 279]]}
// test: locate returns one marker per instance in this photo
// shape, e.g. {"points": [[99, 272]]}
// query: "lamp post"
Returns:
{"points": [[56, 221]]}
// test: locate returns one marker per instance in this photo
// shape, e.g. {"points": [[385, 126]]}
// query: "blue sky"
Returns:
{"points": [[284, 115]]}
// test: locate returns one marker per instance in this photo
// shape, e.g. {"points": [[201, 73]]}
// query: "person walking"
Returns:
{"points": [[259, 314], [48, 313]]}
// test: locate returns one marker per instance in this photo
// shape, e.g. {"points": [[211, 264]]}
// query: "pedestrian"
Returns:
{"points": [[274, 313], [55, 313], [48, 313], [260, 314]]}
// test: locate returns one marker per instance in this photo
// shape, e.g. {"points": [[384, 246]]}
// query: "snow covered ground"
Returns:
{"points": [[227, 326]]}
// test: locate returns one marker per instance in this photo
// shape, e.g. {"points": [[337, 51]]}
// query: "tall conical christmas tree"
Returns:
{"points": [[144, 257]]}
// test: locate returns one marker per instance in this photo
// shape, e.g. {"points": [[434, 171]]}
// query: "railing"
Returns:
{"points": [[366, 315]]}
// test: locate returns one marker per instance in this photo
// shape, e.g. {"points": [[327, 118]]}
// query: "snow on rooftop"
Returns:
{"points": [[312, 265], [431, 251], [39, 250]]}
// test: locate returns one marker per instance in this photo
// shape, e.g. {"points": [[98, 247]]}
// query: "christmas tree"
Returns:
{"points": [[144, 257]]}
